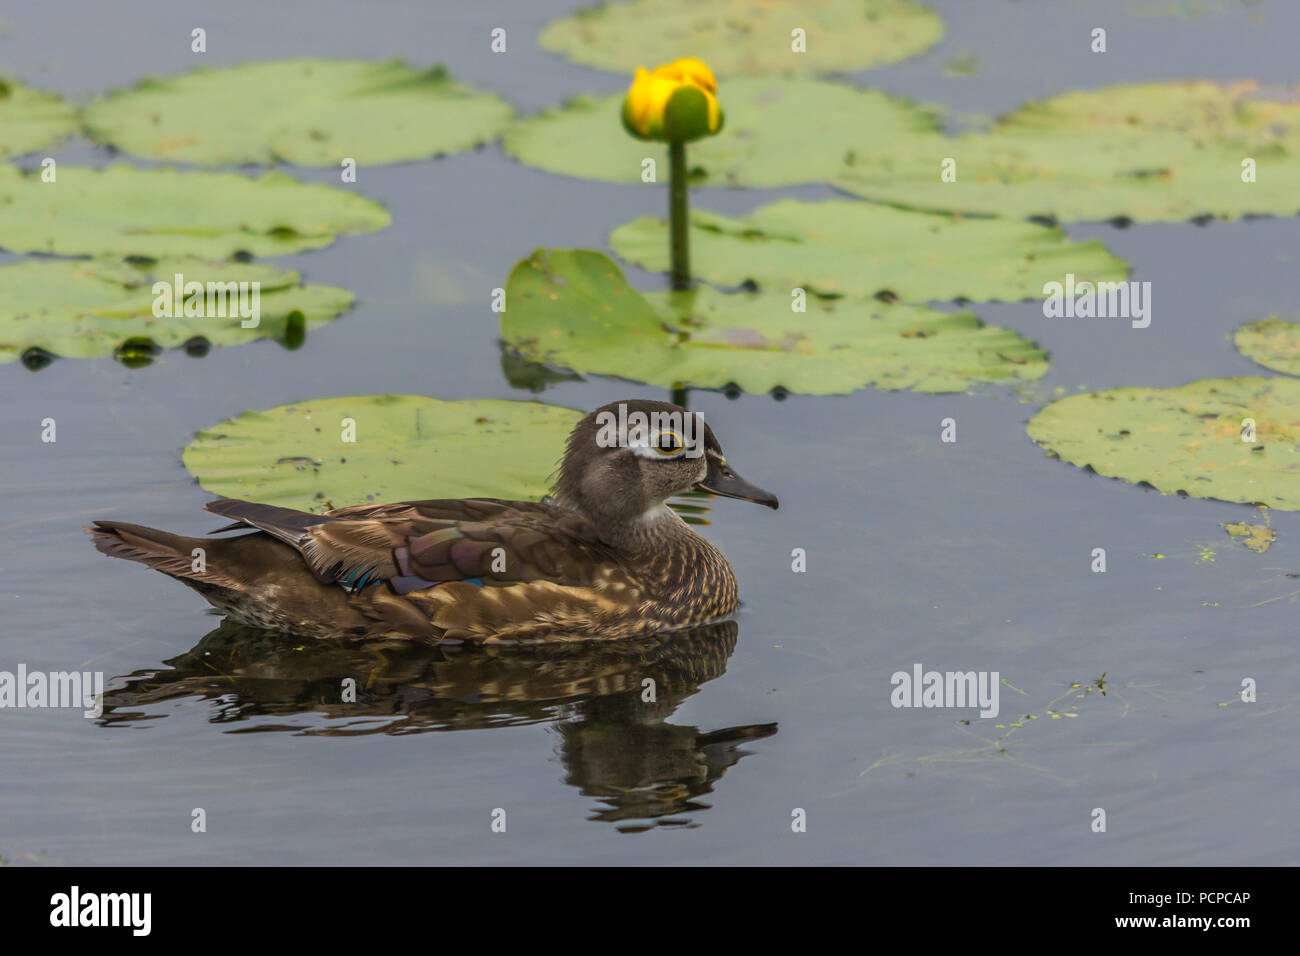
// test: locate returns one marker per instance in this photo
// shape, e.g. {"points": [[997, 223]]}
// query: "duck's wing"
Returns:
{"points": [[415, 545]]}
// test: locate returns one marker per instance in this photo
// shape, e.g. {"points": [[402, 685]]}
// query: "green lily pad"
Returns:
{"points": [[31, 119], [779, 132], [123, 211], [1273, 343], [573, 309], [847, 247], [746, 36], [306, 112], [406, 447], [1186, 439], [1151, 152], [96, 308]]}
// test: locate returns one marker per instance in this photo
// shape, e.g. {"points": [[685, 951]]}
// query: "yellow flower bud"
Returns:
{"points": [[675, 102], [690, 70]]}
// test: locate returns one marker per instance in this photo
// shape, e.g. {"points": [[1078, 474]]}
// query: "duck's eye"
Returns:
{"points": [[668, 443]]}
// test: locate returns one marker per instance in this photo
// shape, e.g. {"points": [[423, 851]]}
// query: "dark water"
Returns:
{"points": [[967, 556]]}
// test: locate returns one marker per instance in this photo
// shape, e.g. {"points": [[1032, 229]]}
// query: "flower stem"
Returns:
{"points": [[677, 217]]}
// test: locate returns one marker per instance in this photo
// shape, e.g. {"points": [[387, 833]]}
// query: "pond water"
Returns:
{"points": [[967, 556]]}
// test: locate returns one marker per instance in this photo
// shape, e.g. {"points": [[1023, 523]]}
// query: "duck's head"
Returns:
{"points": [[625, 459]]}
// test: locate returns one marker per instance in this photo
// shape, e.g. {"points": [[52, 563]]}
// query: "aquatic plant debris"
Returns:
{"points": [[308, 112], [573, 309], [998, 746], [1234, 439], [747, 36], [101, 307], [1256, 537], [331, 452], [122, 210]]}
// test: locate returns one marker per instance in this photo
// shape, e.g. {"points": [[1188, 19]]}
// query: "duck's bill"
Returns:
{"points": [[722, 480]]}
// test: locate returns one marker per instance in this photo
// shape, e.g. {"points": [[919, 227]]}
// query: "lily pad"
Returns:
{"points": [[97, 308], [779, 132], [1186, 440], [847, 247], [746, 36], [1272, 343], [406, 447], [123, 211], [306, 112], [573, 309], [1150, 152], [31, 119]]}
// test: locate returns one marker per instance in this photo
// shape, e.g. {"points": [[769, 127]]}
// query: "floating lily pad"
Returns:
{"points": [[573, 309], [407, 447], [746, 36], [1273, 343], [778, 132], [1151, 152], [847, 247], [307, 112], [1186, 439], [31, 119], [96, 308], [162, 212]]}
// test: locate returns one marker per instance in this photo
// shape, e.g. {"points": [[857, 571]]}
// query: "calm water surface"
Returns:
{"points": [[965, 556]]}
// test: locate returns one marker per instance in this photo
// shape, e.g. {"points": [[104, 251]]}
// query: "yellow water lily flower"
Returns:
{"points": [[676, 102], [690, 70]]}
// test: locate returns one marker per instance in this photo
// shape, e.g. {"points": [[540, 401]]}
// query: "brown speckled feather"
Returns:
{"points": [[435, 542]]}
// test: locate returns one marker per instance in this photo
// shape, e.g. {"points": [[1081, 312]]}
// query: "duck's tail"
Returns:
{"points": [[186, 559], [260, 581]]}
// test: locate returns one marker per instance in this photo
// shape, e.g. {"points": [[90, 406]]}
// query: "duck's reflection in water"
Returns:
{"points": [[610, 703]]}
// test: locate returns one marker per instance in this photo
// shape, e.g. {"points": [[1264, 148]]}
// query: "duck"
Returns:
{"points": [[602, 557]]}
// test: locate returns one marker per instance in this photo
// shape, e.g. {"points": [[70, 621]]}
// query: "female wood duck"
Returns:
{"points": [[604, 558]]}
